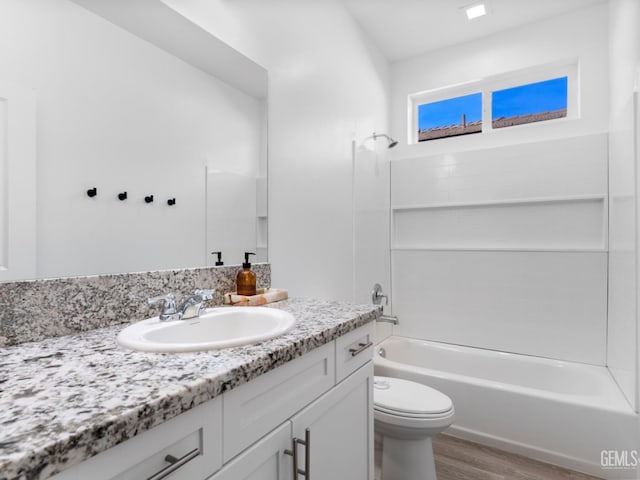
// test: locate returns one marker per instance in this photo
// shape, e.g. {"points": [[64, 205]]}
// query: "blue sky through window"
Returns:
{"points": [[449, 112], [539, 97]]}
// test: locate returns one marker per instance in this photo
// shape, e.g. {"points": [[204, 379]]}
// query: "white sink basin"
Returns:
{"points": [[215, 328]]}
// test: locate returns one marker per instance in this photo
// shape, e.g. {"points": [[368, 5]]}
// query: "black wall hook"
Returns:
{"points": [[92, 192], [171, 201], [148, 198], [122, 196]]}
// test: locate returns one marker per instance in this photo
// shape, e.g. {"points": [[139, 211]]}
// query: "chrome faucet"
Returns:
{"points": [[190, 307], [377, 295], [169, 307], [388, 319], [376, 298], [193, 305]]}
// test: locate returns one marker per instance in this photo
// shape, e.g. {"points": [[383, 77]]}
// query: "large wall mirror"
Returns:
{"points": [[127, 97]]}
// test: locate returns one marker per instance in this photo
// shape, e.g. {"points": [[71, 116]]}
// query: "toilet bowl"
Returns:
{"points": [[406, 416]]}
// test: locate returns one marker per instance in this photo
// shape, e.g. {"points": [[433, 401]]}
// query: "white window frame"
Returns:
{"points": [[486, 86], [436, 95]]}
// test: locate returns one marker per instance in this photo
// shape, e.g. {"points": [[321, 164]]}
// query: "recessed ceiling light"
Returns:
{"points": [[475, 11]]}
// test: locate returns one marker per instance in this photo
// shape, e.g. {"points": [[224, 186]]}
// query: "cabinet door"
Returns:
{"points": [[340, 427], [265, 460], [257, 407]]}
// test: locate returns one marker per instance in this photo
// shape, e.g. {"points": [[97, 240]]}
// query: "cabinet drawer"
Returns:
{"points": [[193, 442], [353, 350], [257, 407]]}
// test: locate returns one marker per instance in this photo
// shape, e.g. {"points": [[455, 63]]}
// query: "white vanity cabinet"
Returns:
{"points": [[186, 447], [334, 433], [266, 460], [339, 427], [339, 424], [322, 401], [249, 433]]}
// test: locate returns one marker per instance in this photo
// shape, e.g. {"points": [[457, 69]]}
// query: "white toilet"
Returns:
{"points": [[407, 414]]}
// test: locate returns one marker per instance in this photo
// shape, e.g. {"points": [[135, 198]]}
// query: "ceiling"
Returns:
{"points": [[405, 28]]}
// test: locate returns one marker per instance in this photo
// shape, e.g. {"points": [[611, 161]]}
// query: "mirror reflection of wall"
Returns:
{"points": [[116, 112], [241, 224]]}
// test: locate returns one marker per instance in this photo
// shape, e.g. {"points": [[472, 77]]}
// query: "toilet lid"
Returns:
{"points": [[405, 397]]}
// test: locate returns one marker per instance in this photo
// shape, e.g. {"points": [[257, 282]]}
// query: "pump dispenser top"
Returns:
{"points": [[219, 262], [246, 263], [246, 279]]}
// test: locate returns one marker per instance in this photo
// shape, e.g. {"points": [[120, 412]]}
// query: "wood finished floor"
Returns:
{"points": [[462, 460]]}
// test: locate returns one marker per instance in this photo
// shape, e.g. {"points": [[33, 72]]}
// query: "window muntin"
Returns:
{"points": [[450, 117], [529, 103]]}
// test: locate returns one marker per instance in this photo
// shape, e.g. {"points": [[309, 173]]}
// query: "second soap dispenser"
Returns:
{"points": [[246, 279]]}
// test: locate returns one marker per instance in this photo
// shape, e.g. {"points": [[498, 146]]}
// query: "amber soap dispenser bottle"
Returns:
{"points": [[246, 279]]}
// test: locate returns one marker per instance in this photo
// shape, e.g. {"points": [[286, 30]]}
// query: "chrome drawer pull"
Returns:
{"points": [[294, 453], [361, 348], [307, 455], [174, 464]]}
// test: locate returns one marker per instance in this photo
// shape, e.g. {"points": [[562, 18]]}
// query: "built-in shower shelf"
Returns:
{"points": [[514, 201], [572, 223], [450, 248]]}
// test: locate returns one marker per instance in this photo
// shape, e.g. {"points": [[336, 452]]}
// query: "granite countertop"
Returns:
{"points": [[65, 399]]}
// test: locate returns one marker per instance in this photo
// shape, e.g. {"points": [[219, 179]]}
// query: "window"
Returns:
{"points": [[534, 102], [450, 117], [536, 94]]}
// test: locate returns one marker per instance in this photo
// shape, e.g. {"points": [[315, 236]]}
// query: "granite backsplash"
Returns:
{"points": [[38, 309]]}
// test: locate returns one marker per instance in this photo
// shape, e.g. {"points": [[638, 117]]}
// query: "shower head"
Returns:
{"points": [[391, 142]]}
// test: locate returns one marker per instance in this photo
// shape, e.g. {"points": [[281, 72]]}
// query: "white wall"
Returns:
{"points": [[17, 182], [624, 50], [119, 114], [327, 86], [582, 34], [488, 250]]}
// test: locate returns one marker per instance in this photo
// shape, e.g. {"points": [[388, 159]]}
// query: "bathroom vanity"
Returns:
{"points": [[85, 408]]}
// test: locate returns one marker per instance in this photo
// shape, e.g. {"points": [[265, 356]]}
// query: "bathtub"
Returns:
{"points": [[558, 412]]}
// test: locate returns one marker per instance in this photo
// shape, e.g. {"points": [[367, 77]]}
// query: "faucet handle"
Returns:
{"points": [[206, 294], [169, 305], [377, 295], [169, 298]]}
